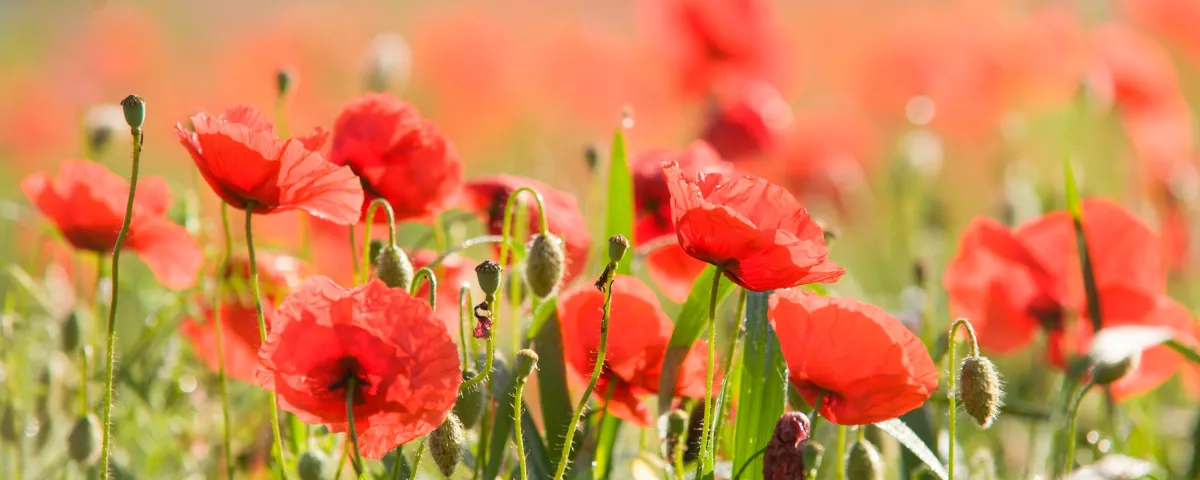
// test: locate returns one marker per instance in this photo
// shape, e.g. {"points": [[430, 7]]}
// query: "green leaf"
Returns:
{"points": [[620, 195], [689, 324], [606, 442], [553, 397], [762, 393], [504, 390], [1072, 190], [920, 423], [900, 431], [1188, 353], [1085, 257]]}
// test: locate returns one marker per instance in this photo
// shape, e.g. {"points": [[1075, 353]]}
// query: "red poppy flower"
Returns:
{"points": [[239, 320], [488, 196], [670, 267], [454, 272], [711, 41], [747, 120], [760, 236], [400, 156], [244, 162], [403, 364], [87, 204], [639, 331], [869, 365]]}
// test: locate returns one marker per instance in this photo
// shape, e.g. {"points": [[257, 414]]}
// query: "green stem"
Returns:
{"points": [[354, 253], [814, 417], [110, 354], [417, 458], [506, 227], [726, 384], [705, 464], [221, 377], [952, 340], [1070, 461], [365, 273], [597, 370], [750, 460], [425, 274], [518, 438], [398, 462], [356, 460], [680, 447], [491, 354], [439, 235], [841, 453], [262, 334], [464, 294]]}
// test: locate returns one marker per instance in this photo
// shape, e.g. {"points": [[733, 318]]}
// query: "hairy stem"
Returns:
{"points": [[262, 335]]}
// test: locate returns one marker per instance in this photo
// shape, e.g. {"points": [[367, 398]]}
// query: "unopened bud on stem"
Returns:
{"points": [[135, 112], [979, 389], [544, 264], [446, 445]]}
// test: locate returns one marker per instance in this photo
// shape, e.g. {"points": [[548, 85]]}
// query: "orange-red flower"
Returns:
{"points": [[87, 204], [247, 165], [710, 41], [488, 197], [755, 231], [868, 365], [639, 331], [670, 267], [454, 272], [400, 156], [403, 365], [747, 120]]}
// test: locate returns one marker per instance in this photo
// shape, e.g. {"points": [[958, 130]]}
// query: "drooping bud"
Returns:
{"points": [[135, 112], [488, 276], [446, 445], [101, 123], [864, 462], [527, 361], [393, 267], [285, 77], [469, 405], [784, 456], [71, 332], [311, 466], [617, 245], [979, 389], [83, 443], [544, 264], [1105, 373]]}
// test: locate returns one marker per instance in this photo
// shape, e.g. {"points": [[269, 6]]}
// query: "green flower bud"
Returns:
{"points": [[446, 445], [135, 111], [83, 443], [284, 79], [469, 406], [1105, 373], [677, 422], [311, 466], [526, 363], [488, 274], [979, 389], [392, 266], [617, 245], [863, 462], [71, 332], [814, 452], [376, 246], [544, 264]]}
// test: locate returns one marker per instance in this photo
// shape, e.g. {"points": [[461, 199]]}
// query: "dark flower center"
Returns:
{"points": [[1049, 313], [348, 368]]}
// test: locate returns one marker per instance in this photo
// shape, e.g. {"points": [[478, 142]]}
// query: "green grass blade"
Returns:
{"points": [[762, 393], [907, 437], [553, 395], [606, 442], [620, 195], [688, 326], [1085, 257]]}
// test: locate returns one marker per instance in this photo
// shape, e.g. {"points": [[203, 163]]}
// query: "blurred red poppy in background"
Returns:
{"points": [[244, 162], [755, 231], [639, 331], [86, 202], [746, 120], [400, 156], [383, 342], [488, 196], [867, 364]]}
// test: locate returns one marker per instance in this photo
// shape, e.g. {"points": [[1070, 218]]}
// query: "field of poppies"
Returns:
{"points": [[639, 239]]}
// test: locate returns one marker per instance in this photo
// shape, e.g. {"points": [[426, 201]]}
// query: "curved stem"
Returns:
{"points": [[705, 461], [1071, 427], [417, 458], [110, 354], [950, 392], [518, 438], [597, 370], [464, 294], [425, 274], [506, 227], [748, 462], [354, 253], [262, 334], [356, 460], [970, 336], [814, 417], [365, 274], [216, 306]]}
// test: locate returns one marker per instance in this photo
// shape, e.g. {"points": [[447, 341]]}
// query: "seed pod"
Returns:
{"points": [[617, 245], [1105, 373], [979, 389], [488, 276], [71, 332], [863, 462], [392, 266], [544, 264], [101, 123], [134, 108], [446, 445], [83, 444], [783, 458], [469, 406], [311, 466], [527, 361]]}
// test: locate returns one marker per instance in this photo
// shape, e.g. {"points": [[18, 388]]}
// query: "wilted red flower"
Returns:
{"points": [[87, 205], [404, 366], [755, 231], [454, 272], [783, 458], [488, 196], [239, 320], [870, 367], [400, 156], [639, 331], [746, 120], [243, 161], [671, 268]]}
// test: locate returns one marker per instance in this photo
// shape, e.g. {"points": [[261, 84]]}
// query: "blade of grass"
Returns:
{"points": [[689, 324], [620, 195], [762, 393]]}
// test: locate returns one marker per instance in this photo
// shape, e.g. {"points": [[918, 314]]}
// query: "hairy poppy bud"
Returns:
{"points": [[814, 452], [71, 332], [311, 466], [784, 457], [135, 111], [470, 402], [979, 389], [8, 424], [544, 264], [374, 248], [101, 123], [446, 444], [1105, 373], [488, 275], [863, 462], [677, 421], [83, 443], [617, 245], [284, 79], [526, 363], [392, 266]]}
